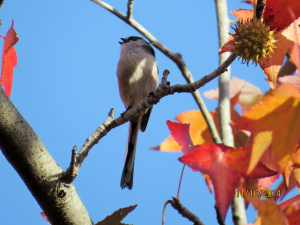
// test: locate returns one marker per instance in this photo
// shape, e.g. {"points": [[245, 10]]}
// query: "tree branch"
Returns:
{"points": [[163, 90], [238, 209], [129, 9], [176, 204], [41, 174], [177, 58]]}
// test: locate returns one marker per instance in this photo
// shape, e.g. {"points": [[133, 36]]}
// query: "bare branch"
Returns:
{"points": [[175, 57], [163, 90], [129, 9], [176, 204], [72, 171]]}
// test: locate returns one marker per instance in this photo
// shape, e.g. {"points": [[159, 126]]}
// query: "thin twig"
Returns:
{"points": [[175, 57], [153, 98], [164, 210], [72, 171], [129, 9], [185, 212]]}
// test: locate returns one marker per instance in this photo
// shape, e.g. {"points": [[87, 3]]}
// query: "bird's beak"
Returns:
{"points": [[122, 40]]}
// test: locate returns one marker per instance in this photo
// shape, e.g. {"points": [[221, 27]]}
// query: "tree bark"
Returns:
{"points": [[42, 175]]}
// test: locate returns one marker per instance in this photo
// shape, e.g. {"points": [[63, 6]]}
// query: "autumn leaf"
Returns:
{"points": [[9, 59], [249, 95], [280, 21], [198, 130], [117, 216], [277, 15], [225, 166], [283, 190], [282, 105], [291, 209], [181, 134], [269, 213]]}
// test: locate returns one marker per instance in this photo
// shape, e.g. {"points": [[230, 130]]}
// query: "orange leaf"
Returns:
{"points": [[282, 105], [225, 166], [286, 40], [242, 14], [198, 130], [291, 209], [168, 145], [269, 213], [9, 59], [283, 190]]}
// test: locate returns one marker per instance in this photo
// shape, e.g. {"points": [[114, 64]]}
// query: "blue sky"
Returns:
{"points": [[65, 84]]}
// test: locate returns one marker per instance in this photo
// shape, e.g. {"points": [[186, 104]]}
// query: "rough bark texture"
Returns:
{"points": [[26, 153]]}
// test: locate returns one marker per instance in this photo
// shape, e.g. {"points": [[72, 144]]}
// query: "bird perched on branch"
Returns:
{"points": [[137, 77]]}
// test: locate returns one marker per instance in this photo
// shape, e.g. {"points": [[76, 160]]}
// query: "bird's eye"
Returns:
{"points": [[134, 39]]}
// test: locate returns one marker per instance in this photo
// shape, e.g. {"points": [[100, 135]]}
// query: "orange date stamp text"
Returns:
{"points": [[257, 193]]}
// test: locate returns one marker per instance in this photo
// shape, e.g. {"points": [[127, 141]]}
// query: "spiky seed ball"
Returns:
{"points": [[253, 40]]}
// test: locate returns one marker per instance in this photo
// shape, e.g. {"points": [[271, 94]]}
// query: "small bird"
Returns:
{"points": [[137, 76]]}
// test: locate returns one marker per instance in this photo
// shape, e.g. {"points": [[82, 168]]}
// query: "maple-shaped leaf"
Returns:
{"points": [[181, 134], [117, 216], [9, 59], [284, 34], [269, 213], [198, 127], [198, 130], [45, 217], [249, 95], [225, 166], [282, 104]]}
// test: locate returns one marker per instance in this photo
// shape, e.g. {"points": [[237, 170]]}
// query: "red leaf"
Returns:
{"points": [[225, 166], [181, 134], [9, 59], [276, 13]]}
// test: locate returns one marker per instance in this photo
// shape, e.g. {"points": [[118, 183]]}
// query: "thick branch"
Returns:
{"points": [[153, 98], [42, 175], [177, 58]]}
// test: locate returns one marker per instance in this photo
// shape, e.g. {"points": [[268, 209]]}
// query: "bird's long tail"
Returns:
{"points": [[127, 175]]}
